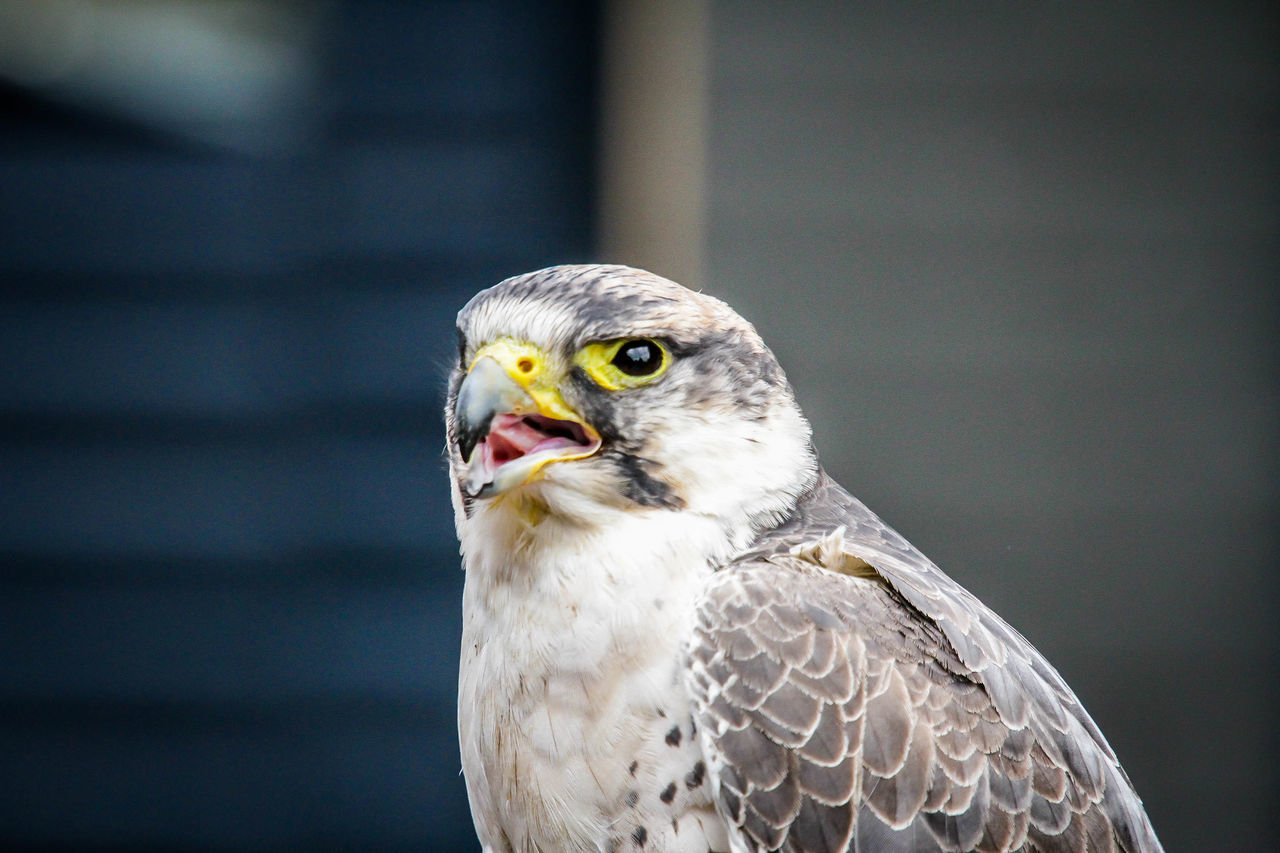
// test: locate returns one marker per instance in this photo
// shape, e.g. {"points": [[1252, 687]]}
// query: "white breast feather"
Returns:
{"points": [[571, 643]]}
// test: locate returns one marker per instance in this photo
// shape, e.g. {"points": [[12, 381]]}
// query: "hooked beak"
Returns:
{"points": [[511, 420]]}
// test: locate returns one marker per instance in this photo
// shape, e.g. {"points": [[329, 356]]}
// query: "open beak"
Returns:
{"points": [[511, 420]]}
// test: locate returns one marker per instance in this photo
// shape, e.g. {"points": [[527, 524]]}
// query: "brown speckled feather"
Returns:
{"points": [[851, 696]]}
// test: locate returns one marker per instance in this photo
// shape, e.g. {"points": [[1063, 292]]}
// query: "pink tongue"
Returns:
{"points": [[510, 438]]}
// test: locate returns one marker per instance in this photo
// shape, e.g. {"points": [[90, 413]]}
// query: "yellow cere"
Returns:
{"points": [[528, 365], [524, 362], [597, 360]]}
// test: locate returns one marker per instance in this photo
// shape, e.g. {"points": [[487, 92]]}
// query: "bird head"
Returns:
{"points": [[608, 386]]}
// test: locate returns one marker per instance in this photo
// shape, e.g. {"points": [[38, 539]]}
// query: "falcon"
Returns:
{"points": [[680, 634]]}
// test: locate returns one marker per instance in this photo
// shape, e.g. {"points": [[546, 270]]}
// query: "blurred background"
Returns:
{"points": [[1020, 262]]}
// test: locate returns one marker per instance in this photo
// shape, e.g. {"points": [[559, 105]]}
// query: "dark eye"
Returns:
{"points": [[638, 358]]}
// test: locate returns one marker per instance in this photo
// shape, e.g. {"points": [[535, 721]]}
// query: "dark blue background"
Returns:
{"points": [[229, 599]]}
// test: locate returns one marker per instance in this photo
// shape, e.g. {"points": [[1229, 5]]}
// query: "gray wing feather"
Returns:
{"points": [[851, 696]]}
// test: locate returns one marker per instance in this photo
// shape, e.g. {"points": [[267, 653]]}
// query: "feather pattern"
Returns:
{"points": [[851, 696], [689, 638]]}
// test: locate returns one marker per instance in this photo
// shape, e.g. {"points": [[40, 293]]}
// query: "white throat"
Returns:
{"points": [[623, 565]]}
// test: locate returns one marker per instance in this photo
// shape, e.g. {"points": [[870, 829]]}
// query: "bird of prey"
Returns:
{"points": [[680, 634]]}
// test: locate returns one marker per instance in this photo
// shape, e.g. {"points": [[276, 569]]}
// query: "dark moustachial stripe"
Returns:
{"points": [[642, 487]]}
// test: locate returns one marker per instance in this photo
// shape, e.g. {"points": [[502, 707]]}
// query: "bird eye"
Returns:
{"points": [[623, 363], [638, 358]]}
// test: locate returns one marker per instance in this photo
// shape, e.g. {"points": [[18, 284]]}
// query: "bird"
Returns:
{"points": [[681, 634]]}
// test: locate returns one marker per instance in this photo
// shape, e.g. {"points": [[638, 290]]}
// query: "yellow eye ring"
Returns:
{"points": [[624, 363]]}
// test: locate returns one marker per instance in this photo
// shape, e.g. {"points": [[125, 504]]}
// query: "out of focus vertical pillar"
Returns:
{"points": [[653, 135]]}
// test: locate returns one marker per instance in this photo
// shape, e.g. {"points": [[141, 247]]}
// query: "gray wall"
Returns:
{"points": [[1020, 262]]}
